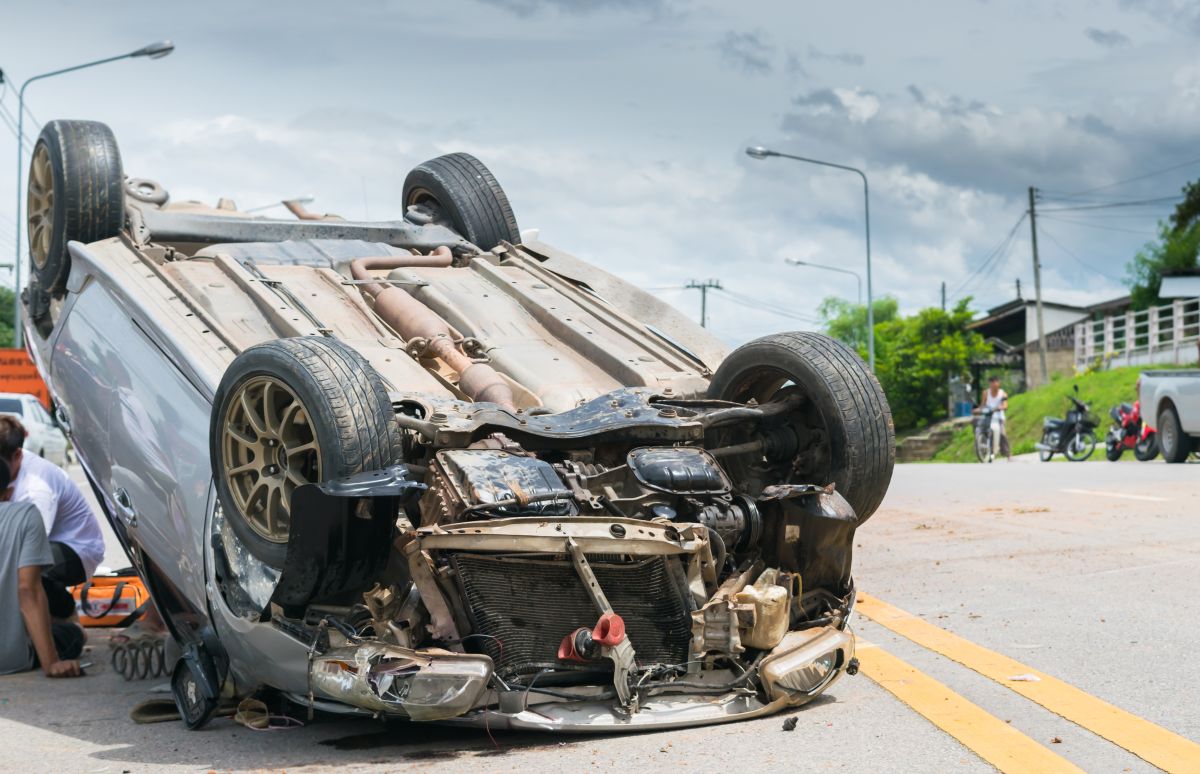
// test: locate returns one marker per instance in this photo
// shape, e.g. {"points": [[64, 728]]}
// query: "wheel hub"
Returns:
{"points": [[269, 448], [40, 207]]}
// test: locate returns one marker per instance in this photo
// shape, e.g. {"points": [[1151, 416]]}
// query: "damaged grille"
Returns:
{"points": [[529, 605]]}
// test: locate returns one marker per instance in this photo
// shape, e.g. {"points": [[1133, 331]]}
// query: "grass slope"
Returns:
{"points": [[1101, 389]]}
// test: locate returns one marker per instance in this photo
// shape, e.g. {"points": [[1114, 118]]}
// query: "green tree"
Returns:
{"points": [[1176, 248], [916, 356], [6, 317], [1187, 211], [847, 322]]}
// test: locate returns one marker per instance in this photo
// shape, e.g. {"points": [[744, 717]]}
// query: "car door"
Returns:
{"points": [[81, 364], [158, 447]]}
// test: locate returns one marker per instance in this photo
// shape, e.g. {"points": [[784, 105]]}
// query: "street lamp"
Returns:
{"points": [[759, 152], [153, 51], [856, 275]]}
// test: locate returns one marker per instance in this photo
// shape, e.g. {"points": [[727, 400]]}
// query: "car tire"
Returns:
{"points": [[466, 193], [75, 192], [289, 412], [845, 409], [1175, 445]]}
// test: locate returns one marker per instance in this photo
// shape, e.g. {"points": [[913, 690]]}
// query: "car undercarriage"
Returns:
{"points": [[450, 473]]}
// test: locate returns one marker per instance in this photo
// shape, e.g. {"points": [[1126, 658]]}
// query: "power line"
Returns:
{"points": [[1137, 203], [1096, 225], [1003, 245], [767, 306], [1139, 177], [1075, 257]]}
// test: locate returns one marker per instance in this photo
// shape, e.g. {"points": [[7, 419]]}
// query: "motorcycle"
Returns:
{"points": [[1073, 437], [987, 429], [1130, 432]]}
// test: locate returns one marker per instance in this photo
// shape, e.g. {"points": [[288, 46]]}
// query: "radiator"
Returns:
{"points": [[529, 605]]}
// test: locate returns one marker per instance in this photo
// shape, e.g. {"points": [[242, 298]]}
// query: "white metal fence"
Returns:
{"points": [[1161, 334]]}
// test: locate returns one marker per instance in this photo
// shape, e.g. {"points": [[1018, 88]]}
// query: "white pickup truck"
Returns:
{"points": [[1173, 399]]}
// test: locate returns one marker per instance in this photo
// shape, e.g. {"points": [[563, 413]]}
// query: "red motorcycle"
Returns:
{"points": [[1130, 432]]}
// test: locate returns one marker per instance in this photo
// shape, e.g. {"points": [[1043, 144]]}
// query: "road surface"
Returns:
{"points": [[1078, 580]]}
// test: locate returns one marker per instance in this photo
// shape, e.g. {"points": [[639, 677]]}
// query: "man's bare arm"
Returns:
{"points": [[36, 612]]}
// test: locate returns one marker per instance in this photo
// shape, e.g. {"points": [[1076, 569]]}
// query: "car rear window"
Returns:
{"points": [[11, 406]]}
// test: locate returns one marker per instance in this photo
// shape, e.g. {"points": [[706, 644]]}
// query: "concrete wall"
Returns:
{"points": [[1055, 319]]}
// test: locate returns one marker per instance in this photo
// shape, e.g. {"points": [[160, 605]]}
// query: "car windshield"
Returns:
{"points": [[11, 406]]}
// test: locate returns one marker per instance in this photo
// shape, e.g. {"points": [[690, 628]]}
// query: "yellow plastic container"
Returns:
{"points": [[771, 602]]}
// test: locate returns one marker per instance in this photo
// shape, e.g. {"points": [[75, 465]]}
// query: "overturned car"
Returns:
{"points": [[426, 468]]}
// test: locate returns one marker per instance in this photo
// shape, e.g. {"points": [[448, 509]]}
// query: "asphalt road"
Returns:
{"points": [[1084, 573]]}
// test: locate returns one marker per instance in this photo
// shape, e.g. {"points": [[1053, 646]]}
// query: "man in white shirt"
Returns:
{"points": [[997, 400], [29, 637], [76, 543]]}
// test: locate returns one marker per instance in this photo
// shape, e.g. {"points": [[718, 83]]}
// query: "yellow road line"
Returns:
{"points": [[1152, 743], [986, 735]]}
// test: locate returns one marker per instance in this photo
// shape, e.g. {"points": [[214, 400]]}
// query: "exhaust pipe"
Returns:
{"points": [[413, 320]]}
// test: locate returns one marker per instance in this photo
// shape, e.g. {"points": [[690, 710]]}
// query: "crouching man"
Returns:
{"points": [[76, 543], [28, 635]]}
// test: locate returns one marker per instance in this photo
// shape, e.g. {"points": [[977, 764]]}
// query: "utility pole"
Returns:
{"points": [[943, 295], [1018, 288], [704, 287], [1037, 285]]}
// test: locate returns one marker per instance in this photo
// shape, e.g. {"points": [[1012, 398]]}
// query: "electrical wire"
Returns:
{"points": [[1044, 232], [1139, 177], [9, 118], [767, 306], [991, 261], [1057, 219], [1134, 203]]}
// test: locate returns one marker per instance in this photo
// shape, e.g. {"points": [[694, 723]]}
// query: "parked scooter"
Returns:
{"points": [[1073, 437], [1130, 432]]}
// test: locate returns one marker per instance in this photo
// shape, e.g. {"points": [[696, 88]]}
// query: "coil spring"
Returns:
{"points": [[140, 658]]}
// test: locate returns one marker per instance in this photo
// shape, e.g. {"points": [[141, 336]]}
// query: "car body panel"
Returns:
{"points": [[1180, 389]]}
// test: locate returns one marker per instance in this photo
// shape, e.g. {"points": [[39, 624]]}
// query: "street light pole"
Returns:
{"points": [[838, 269], [759, 152], [153, 51]]}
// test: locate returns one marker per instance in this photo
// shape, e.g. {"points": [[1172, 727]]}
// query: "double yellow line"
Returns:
{"points": [[991, 738]]}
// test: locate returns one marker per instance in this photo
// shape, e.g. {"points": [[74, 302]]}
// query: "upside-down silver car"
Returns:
{"points": [[426, 468]]}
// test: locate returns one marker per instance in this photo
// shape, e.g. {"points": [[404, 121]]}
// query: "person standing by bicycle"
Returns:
{"points": [[996, 399]]}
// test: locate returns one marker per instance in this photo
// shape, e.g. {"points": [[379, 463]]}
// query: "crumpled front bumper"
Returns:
{"points": [[798, 670]]}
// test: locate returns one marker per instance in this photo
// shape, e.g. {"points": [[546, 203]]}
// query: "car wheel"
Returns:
{"points": [[75, 193], [465, 192], [1174, 443], [290, 412], [843, 425]]}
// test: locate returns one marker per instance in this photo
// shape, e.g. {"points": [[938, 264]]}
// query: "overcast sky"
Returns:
{"points": [[617, 127]]}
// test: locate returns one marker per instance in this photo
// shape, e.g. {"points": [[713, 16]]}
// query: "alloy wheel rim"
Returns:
{"points": [[269, 448], [40, 206]]}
